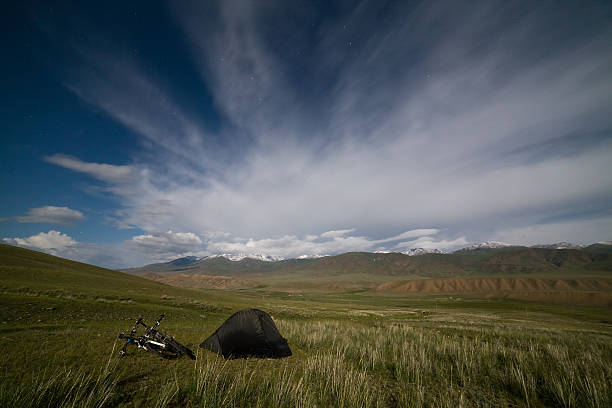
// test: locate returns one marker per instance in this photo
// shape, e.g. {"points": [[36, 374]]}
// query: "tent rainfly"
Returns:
{"points": [[248, 333]]}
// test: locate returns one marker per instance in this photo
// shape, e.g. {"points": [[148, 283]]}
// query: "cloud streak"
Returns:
{"points": [[112, 174], [51, 215]]}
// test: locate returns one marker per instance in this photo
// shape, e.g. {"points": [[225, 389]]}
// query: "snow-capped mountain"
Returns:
{"points": [[184, 261], [485, 245], [559, 245], [421, 251], [411, 251], [259, 257], [311, 256]]}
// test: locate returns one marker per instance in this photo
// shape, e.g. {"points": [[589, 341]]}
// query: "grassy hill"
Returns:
{"points": [[35, 274]]}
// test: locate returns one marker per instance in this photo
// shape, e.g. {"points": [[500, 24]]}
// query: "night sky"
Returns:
{"points": [[134, 132]]}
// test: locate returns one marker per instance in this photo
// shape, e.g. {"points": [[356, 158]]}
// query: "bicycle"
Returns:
{"points": [[154, 341]]}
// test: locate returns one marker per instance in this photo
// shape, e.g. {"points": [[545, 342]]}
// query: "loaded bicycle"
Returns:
{"points": [[154, 341]]}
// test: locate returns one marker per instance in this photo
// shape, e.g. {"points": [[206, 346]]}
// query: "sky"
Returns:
{"points": [[138, 132]]}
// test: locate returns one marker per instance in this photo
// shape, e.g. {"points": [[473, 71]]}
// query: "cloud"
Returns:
{"points": [[337, 233], [125, 91], [56, 243], [52, 240], [247, 79], [105, 172], [432, 243], [140, 250], [51, 215], [327, 243], [410, 234], [166, 244]]}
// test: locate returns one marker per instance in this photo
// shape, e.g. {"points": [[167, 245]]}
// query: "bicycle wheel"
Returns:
{"points": [[182, 350]]}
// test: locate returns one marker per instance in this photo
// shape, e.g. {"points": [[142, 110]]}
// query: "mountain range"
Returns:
{"points": [[391, 272], [191, 260]]}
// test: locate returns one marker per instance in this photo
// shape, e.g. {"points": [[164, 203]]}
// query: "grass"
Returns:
{"points": [[66, 387], [60, 348], [428, 353]]}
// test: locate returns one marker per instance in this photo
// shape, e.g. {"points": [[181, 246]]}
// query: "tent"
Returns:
{"points": [[248, 333]]}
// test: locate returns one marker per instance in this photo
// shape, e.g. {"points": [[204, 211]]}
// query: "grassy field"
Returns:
{"points": [[60, 346]]}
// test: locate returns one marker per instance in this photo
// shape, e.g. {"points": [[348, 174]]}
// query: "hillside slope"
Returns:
{"points": [[26, 271]]}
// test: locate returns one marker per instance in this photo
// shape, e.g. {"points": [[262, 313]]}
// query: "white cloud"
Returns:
{"points": [[62, 245], [52, 240], [336, 233], [105, 172], [51, 215], [328, 243], [166, 244], [409, 234], [432, 243]]}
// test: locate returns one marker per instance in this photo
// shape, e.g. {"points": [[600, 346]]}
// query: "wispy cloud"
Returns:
{"points": [[431, 243], [336, 233], [119, 85], [110, 173], [51, 215]]}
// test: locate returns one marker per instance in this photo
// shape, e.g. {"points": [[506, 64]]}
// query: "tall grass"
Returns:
{"points": [[431, 367], [65, 388], [322, 379], [343, 363]]}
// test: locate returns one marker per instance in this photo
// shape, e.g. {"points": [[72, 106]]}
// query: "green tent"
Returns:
{"points": [[248, 333]]}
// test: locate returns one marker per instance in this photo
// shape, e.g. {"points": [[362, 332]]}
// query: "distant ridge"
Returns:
{"points": [[188, 261], [559, 245], [480, 259]]}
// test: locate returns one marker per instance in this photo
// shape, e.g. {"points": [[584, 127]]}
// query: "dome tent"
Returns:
{"points": [[248, 333]]}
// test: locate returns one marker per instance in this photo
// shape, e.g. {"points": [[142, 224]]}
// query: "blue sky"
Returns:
{"points": [[144, 131]]}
